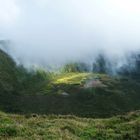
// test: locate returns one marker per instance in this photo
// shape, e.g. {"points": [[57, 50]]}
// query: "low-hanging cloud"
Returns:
{"points": [[55, 31]]}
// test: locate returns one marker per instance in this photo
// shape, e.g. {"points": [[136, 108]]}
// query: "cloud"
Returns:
{"points": [[8, 11], [52, 31]]}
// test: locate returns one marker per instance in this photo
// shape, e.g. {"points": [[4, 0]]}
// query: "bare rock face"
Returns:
{"points": [[94, 83], [65, 94]]}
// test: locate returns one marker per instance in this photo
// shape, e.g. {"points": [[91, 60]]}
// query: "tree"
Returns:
{"points": [[100, 64]]}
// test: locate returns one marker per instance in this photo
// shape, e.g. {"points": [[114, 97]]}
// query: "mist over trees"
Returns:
{"points": [[105, 66], [100, 64], [76, 67], [132, 68]]}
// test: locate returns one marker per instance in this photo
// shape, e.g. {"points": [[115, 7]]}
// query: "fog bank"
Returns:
{"points": [[44, 32]]}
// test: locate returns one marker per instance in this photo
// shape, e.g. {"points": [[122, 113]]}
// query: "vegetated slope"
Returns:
{"points": [[85, 95], [80, 93], [8, 81], [8, 71], [51, 127], [16, 81]]}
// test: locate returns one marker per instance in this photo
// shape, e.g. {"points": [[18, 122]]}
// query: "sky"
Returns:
{"points": [[43, 32]]}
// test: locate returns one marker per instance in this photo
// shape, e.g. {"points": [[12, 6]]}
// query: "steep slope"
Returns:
{"points": [[16, 81], [8, 70], [8, 82]]}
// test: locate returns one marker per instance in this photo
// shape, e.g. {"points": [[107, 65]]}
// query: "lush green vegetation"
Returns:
{"points": [[42, 127], [67, 103], [77, 93], [75, 67]]}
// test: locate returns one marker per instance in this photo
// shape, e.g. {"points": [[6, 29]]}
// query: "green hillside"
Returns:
{"points": [[78, 93], [8, 78], [69, 105]]}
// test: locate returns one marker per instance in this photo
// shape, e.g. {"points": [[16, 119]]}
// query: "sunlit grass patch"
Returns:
{"points": [[71, 78]]}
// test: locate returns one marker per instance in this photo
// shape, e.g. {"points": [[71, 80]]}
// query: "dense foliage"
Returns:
{"points": [[75, 67]]}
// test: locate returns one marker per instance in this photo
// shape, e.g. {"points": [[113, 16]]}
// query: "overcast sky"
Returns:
{"points": [[54, 31]]}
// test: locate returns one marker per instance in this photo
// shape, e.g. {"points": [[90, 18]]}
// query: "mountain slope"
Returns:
{"points": [[83, 94], [8, 71]]}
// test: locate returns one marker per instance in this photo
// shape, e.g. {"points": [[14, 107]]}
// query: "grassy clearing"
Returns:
{"points": [[71, 78], [76, 77], [42, 127]]}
